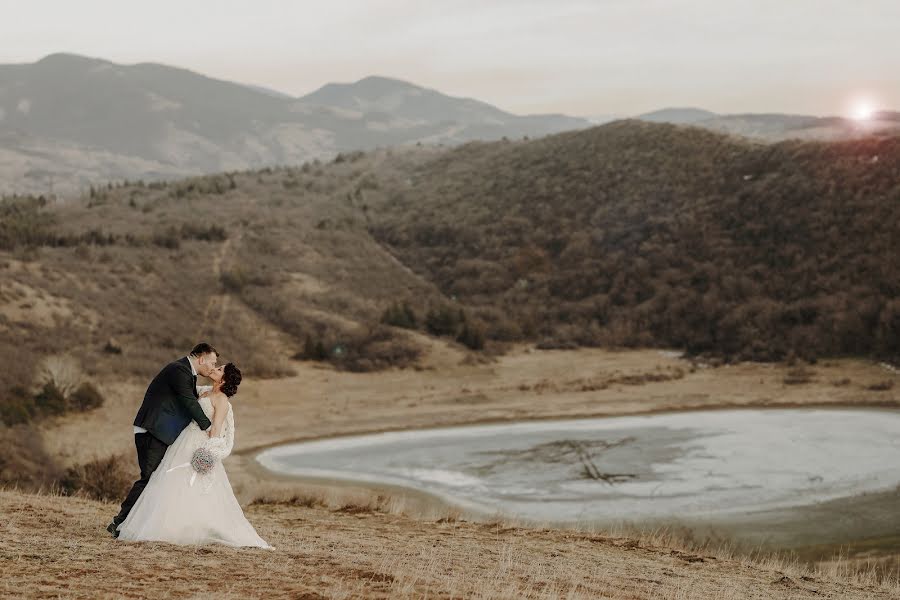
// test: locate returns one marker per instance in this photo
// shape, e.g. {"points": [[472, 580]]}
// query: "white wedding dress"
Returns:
{"points": [[182, 507]]}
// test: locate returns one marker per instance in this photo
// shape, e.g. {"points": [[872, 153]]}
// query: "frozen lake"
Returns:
{"points": [[683, 465]]}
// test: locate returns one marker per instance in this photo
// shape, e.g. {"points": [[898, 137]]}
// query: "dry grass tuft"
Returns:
{"points": [[798, 376], [355, 501], [105, 479], [881, 386], [24, 462]]}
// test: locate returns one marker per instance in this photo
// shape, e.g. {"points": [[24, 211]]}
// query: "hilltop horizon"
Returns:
{"points": [[567, 57], [598, 116], [69, 122]]}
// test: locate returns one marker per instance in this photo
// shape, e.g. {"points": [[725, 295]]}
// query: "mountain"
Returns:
{"points": [[69, 121], [269, 91], [677, 115], [411, 105], [778, 127], [393, 96], [601, 119], [775, 127]]}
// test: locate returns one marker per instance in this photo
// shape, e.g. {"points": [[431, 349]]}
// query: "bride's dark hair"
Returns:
{"points": [[231, 379]]}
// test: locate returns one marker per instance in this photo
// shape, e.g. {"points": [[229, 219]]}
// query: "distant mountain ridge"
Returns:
{"points": [[774, 127], [68, 121], [678, 115]]}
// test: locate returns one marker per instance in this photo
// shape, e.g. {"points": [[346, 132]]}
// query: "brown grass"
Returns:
{"points": [[333, 531], [275, 266], [24, 461], [682, 541], [881, 386], [59, 549], [798, 376], [107, 479]]}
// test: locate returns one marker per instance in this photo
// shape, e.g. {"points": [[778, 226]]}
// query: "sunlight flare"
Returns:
{"points": [[863, 111]]}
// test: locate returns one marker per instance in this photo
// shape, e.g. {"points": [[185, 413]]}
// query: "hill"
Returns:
{"points": [[657, 235], [261, 261], [69, 121], [776, 127], [404, 102], [680, 116], [629, 234]]}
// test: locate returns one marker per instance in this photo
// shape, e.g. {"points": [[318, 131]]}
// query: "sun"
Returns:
{"points": [[863, 111]]}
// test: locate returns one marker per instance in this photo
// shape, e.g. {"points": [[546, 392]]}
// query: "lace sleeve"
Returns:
{"points": [[229, 431], [222, 444]]}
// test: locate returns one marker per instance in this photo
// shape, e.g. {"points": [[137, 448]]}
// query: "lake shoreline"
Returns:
{"points": [[749, 529], [525, 384]]}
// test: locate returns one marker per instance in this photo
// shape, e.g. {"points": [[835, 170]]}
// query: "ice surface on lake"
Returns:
{"points": [[689, 464]]}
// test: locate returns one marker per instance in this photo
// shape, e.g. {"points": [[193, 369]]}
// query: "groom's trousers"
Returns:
{"points": [[150, 452]]}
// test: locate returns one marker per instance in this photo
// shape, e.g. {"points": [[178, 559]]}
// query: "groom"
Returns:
{"points": [[169, 405]]}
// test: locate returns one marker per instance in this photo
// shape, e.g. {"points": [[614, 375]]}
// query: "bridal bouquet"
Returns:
{"points": [[204, 459]]}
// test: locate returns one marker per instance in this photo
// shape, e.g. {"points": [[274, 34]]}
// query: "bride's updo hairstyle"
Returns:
{"points": [[231, 379]]}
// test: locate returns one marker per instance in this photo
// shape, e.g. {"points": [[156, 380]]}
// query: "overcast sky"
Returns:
{"points": [[579, 57]]}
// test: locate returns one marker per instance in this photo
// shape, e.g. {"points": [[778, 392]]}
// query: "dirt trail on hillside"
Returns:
{"points": [[217, 305]]}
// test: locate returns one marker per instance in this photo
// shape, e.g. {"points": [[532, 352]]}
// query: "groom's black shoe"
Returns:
{"points": [[112, 529]]}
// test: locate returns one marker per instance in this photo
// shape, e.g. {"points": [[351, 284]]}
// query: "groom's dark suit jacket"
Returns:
{"points": [[171, 402]]}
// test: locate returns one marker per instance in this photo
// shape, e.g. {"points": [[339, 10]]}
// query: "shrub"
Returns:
{"points": [[112, 347], [236, 279], [211, 233], [375, 348], [85, 397], [168, 238], [17, 406], [105, 479], [399, 315], [313, 349], [797, 376], [61, 370], [23, 222], [24, 461], [444, 320], [50, 400], [881, 386], [233, 280], [471, 336]]}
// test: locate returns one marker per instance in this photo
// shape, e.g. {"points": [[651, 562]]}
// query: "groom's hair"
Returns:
{"points": [[203, 348]]}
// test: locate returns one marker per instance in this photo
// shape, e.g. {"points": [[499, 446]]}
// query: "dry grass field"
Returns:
{"points": [[53, 547], [338, 541]]}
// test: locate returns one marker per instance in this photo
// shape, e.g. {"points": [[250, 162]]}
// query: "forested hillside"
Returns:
{"points": [[629, 234], [657, 235]]}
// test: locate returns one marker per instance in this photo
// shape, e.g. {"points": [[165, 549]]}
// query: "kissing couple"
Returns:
{"points": [[182, 432]]}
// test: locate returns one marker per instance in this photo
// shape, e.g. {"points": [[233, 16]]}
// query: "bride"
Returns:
{"points": [[183, 506]]}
